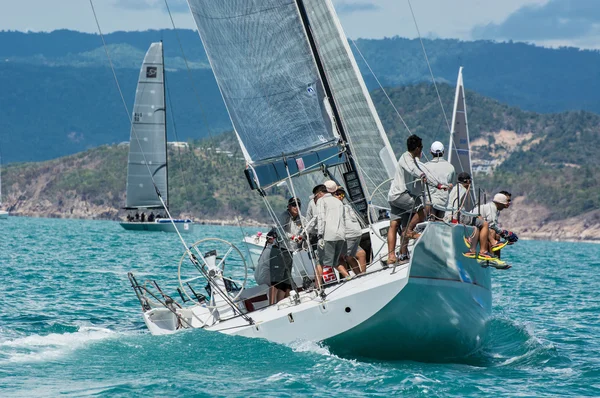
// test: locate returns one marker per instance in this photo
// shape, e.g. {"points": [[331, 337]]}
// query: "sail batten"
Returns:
{"points": [[147, 161]]}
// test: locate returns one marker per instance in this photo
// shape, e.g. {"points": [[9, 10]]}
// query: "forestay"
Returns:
{"points": [[369, 145], [460, 150], [265, 70], [147, 145]]}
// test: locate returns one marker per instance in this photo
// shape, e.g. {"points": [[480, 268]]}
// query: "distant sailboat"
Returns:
{"points": [[3, 213], [147, 171]]}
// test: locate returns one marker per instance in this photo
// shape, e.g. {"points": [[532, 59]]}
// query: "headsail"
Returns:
{"points": [[369, 144], [147, 145], [460, 148]]}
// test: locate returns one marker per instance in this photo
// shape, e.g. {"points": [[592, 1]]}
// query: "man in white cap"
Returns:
{"points": [[331, 232], [490, 212], [443, 173]]}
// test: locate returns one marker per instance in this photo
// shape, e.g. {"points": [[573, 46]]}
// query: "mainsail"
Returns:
{"points": [[266, 56], [147, 163], [269, 82], [459, 154]]}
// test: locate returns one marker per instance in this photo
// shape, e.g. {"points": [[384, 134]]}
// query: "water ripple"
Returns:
{"points": [[70, 325]]}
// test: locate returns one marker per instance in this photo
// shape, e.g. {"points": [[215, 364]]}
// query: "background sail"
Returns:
{"points": [[148, 135], [369, 144], [264, 66], [460, 151]]}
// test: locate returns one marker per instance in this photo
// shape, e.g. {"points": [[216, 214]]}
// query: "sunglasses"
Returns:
{"points": [[292, 205]]}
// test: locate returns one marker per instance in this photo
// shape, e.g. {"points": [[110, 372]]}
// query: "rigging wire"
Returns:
{"points": [[429, 65], [189, 71], [191, 256], [176, 137], [453, 144], [379, 83]]}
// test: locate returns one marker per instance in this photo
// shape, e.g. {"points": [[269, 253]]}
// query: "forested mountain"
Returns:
{"points": [[59, 96]]}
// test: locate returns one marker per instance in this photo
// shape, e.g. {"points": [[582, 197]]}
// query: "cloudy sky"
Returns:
{"points": [[544, 22]]}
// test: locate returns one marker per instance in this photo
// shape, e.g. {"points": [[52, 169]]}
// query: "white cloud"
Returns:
{"points": [[540, 21], [557, 20], [174, 5]]}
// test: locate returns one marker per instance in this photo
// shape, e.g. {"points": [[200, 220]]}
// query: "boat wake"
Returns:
{"points": [[512, 344], [52, 346]]}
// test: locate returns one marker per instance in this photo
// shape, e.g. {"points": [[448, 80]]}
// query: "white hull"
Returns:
{"points": [[436, 307], [3, 215], [182, 226], [346, 305]]}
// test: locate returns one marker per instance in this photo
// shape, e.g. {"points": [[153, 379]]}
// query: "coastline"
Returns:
{"points": [[551, 232]]}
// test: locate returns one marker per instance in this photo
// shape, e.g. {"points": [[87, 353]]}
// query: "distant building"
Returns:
{"points": [[178, 144], [484, 166]]}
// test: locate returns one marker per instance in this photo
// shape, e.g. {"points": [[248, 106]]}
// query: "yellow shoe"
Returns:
{"points": [[467, 241], [499, 246], [470, 254]]}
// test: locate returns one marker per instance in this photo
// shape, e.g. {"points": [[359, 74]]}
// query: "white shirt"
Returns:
{"points": [[330, 218], [290, 226], [407, 172], [311, 217], [353, 229], [490, 213], [442, 172]]}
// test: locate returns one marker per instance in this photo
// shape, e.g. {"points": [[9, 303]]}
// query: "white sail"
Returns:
{"points": [[147, 163], [459, 154], [370, 147], [264, 67]]}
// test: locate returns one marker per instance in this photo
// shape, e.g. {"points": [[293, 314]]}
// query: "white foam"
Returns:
{"points": [[420, 379], [310, 346], [279, 376], [38, 348]]}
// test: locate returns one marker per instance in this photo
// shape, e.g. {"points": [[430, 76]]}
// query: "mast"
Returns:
{"points": [[351, 165], [162, 55], [459, 154]]}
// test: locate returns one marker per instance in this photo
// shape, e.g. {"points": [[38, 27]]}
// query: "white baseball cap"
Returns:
{"points": [[331, 186], [501, 198], [437, 147]]}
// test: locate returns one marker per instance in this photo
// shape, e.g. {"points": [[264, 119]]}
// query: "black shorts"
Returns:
{"points": [[280, 266], [403, 207], [282, 286]]}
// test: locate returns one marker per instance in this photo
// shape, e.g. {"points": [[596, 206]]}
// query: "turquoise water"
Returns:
{"points": [[71, 325]]}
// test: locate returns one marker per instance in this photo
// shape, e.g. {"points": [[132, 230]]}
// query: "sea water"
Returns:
{"points": [[71, 325]]}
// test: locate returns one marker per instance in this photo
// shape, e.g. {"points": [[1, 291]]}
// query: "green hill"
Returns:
{"points": [[550, 162], [553, 163], [204, 183]]}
